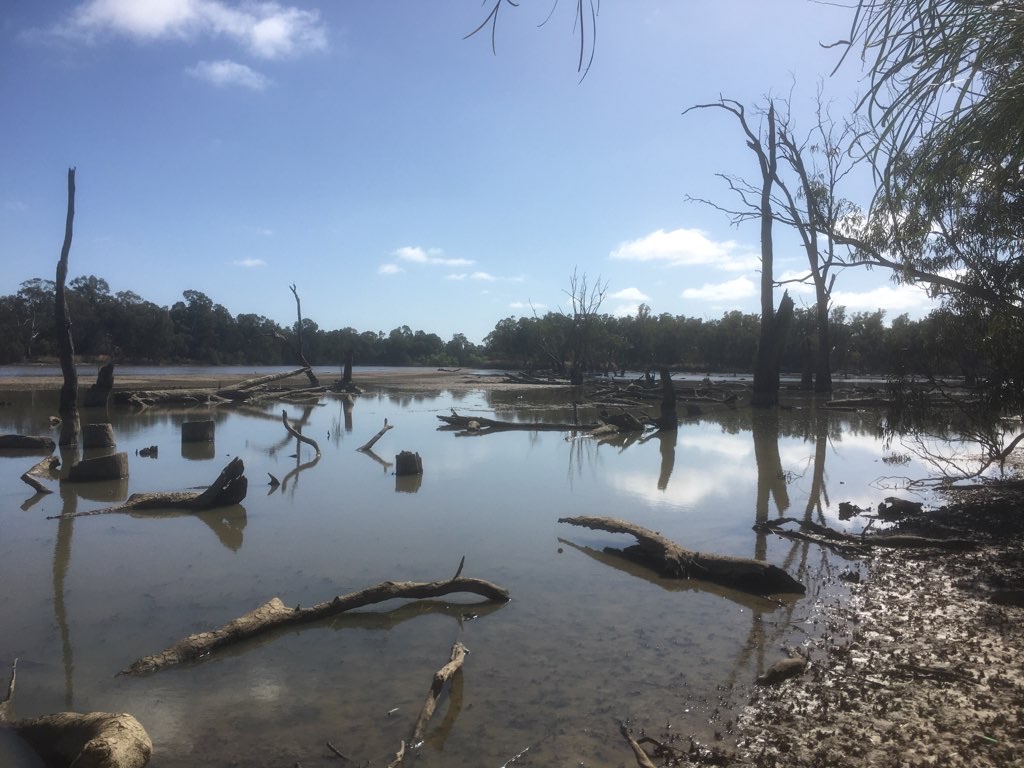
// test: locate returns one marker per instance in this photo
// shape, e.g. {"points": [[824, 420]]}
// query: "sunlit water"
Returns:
{"points": [[585, 642]]}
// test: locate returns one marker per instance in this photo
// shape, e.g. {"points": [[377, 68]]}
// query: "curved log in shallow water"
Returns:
{"points": [[229, 488], [670, 559], [481, 426], [274, 614], [89, 740]]}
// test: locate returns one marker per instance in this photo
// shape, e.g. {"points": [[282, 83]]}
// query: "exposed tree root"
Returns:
{"points": [[229, 488], [274, 614], [671, 560]]}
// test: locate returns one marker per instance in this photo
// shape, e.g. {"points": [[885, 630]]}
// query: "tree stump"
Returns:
{"points": [[113, 467], [197, 431], [98, 395], [98, 436], [408, 463]]}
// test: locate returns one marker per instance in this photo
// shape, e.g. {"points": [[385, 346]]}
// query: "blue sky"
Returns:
{"points": [[397, 173]]}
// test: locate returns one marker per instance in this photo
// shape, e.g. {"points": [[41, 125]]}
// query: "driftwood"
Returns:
{"points": [[229, 488], [671, 560], [90, 740], [243, 389], [40, 469], [274, 614], [33, 443], [298, 435], [442, 676], [642, 760], [368, 445], [859, 544], [478, 425]]}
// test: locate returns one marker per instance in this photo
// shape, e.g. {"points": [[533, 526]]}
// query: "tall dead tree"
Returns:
{"points": [[313, 381], [774, 323], [68, 406]]}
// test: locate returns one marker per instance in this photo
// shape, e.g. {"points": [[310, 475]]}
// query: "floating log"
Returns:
{"points": [[97, 436], [99, 468], [274, 614], [480, 426], [229, 488], [198, 431], [27, 443], [671, 560]]}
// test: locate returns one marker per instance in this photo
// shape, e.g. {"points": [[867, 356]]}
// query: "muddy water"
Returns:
{"points": [[585, 642]]}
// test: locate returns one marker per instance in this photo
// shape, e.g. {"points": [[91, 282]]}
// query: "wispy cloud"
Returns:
{"points": [[418, 255], [740, 288], [226, 73], [267, 30], [389, 269], [15, 205], [249, 263], [687, 247], [527, 305]]}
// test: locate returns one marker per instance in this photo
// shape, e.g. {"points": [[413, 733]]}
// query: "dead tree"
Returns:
{"points": [[68, 408], [313, 381]]}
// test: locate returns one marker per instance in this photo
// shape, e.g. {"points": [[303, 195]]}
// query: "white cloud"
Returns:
{"points": [[229, 73], [687, 247], [740, 288], [626, 310], [526, 305], [797, 287], [894, 299], [482, 276], [418, 255], [249, 263], [389, 269], [267, 29], [629, 294]]}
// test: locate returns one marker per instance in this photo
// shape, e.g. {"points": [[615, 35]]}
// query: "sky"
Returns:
{"points": [[398, 172]]}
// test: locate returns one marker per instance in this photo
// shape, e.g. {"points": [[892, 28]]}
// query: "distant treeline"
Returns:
{"points": [[197, 330]]}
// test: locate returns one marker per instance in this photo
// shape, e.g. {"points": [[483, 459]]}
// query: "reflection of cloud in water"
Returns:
{"points": [[689, 485], [734, 446]]}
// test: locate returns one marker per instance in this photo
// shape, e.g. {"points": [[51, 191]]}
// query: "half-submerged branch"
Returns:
{"points": [[229, 488], [274, 614], [671, 560], [367, 447], [478, 425], [298, 435]]}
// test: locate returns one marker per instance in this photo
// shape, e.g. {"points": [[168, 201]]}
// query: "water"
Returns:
{"points": [[585, 642]]}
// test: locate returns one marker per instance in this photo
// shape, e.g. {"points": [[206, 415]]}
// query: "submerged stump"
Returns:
{"points": [[408, 463], [98, 468], [197, 431]]}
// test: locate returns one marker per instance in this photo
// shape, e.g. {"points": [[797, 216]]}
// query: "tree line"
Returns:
{"points": [[130, 329]]}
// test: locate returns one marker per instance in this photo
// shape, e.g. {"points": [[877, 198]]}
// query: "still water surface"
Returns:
{"points": [[585, 642]]}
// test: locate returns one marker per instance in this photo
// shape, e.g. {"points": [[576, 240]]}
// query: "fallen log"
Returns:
{"points": [[27, 443], [229, 488], [442, 676], [859, 544], [241, 390], [673, 561], [274, 614], [89, 740], [480, 426]]}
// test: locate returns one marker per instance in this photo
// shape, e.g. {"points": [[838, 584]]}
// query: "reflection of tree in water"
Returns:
{"points": [[771, 480], [61, 563]]}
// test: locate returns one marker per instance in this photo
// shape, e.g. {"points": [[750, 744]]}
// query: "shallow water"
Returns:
{"points": [[585, 642]]}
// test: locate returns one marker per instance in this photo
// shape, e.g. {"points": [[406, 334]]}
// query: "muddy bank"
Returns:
{"points": [[921, 667]]}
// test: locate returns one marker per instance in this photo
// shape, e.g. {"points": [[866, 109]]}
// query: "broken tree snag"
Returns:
{"points": [[97, 468], [229, 488], [313, 381], [671, 560], [669, 419], [368, 446], [408, 463], [298, 435], [274, 614], [98, 395], [98, 436], [68, 408]]}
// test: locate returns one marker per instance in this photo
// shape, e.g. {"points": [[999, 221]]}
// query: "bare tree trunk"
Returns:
{"points": [[68, 407], [769, 354], [313, 381]]}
